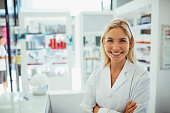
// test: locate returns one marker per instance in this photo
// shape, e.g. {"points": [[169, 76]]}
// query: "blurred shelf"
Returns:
{"points": [[34, 33], [92, 58], [142, 42], [59, 63], [31, 64], [35, 49], [35, 64], [144, 61], [147, 25], [140, 7], [45, 33]]}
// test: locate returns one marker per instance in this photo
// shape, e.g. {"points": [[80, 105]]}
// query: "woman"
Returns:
{"points": [[120, 86], [3, 55]]}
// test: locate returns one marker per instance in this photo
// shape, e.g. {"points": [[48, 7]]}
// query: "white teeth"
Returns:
{"points": [[116, 53]]}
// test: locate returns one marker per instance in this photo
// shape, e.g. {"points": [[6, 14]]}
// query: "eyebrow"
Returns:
{"points": [[108, 38], [119, 39], [123, 39]]}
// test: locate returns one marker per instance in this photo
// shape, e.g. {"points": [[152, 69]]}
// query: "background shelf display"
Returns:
{"points": [[142, 31], [48, 48], [42, 51]]}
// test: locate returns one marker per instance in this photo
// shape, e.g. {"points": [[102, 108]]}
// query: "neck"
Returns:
{"points": [[116, 67]]}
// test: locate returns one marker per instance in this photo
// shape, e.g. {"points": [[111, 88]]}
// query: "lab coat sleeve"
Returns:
{"points": [[107, 110], [89, 101], [140, 93]]}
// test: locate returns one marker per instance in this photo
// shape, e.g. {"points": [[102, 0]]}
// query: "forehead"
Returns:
{"points": [[116, 33]]}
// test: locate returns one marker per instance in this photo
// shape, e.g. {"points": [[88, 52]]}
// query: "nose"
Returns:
{"points": [[115, 46]]}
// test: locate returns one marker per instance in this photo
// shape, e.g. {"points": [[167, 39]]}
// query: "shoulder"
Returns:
{"points": [[140, 73], [97, 73], [134, 69], [139, 70]]}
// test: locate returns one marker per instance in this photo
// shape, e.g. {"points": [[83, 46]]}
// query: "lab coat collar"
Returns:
{"points": [[128, 66]]}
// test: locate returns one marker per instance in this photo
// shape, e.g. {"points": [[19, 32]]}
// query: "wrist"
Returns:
{"points": [[96, 109]]}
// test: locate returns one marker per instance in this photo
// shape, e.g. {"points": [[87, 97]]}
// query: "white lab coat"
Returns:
{"points": [[132, 84], [3, 53]]}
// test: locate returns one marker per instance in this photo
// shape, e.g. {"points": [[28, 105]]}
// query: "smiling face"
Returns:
{"points": [[116, 44]]}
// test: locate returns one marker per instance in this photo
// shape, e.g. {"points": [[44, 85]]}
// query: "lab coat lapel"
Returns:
{"points": [[121, 79], [122, 76], [107, 78], [107, 81]]}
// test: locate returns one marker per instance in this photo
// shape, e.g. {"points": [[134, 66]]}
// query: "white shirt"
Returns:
{"points": [[3, 53], [132, 84]]}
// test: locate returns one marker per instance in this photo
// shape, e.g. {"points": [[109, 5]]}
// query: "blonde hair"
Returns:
{"points": [[125, 26]]}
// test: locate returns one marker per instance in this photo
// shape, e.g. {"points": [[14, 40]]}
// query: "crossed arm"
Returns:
{"points": [[130, 107]]}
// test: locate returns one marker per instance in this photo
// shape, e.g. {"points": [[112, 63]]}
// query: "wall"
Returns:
{"points": [[163, 77], [160, 98]]}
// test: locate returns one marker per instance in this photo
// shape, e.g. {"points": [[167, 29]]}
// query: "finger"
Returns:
{"points": [[127, 106], [132, 104], [129, 103], [132, 108], [131, 111]]}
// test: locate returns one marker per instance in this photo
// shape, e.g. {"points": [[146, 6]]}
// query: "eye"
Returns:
{"points": [[109, 40], [122, 40]]}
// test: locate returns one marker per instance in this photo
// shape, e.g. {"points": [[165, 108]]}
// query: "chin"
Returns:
{"points": [[118, 60]]}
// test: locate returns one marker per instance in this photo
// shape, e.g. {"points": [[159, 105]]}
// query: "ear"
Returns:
{"points": [[130, 43]]}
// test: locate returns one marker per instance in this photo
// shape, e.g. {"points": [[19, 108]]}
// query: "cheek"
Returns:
{"points": [[106, 48], [125, 47]]}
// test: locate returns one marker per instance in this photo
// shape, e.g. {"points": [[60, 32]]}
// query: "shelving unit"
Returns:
{"points": [[89, 28], [47, 47], [143, 45]]}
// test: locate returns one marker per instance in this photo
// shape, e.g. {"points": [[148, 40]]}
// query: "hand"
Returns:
{"points": [[96, 109], [130, 107]]}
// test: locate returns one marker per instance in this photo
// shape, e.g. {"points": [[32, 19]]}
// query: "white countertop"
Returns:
{"points": [[65, 92], [16, 103]]}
